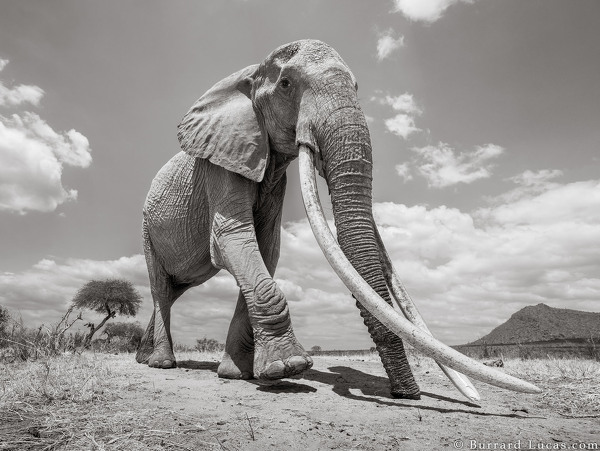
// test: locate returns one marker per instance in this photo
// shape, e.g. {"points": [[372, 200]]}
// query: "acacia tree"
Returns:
{"points": [[109, 296]]}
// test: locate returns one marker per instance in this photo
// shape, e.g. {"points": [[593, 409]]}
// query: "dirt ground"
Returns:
{"points": [[344, 403]]}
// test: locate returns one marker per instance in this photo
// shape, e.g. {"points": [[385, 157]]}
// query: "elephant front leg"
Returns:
{"points": [[277, 352]]}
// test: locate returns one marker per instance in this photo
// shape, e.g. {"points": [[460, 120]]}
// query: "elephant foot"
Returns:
{"points": [[162, 360], [237, 367], [143, 354], [280, 358]]}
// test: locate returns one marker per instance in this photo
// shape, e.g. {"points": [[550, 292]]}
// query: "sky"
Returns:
{"points": [[484, 119]]}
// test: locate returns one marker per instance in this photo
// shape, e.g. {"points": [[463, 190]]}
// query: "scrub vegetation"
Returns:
{"points": [[102, 401]]}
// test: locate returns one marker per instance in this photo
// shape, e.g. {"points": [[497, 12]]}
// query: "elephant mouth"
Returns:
{"points": [[317, 160], [412, 328]]}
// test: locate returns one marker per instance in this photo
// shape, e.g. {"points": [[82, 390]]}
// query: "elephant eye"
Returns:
{"points": [[284, 83]]}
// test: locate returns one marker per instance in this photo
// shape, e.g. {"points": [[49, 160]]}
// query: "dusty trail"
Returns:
{"points": [[344, 404]]}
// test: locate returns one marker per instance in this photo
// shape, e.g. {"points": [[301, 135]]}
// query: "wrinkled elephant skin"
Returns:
{"points": [[217, 205]]}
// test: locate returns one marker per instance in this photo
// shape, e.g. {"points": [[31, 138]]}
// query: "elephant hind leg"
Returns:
{"points": [[146, 346], [156, 348], [238, 359]]}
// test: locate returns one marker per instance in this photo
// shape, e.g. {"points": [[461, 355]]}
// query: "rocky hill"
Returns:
{"points": [[540, 323]]}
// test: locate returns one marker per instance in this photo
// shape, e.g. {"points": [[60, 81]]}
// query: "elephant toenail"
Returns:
{"points": [[276, 370], [298, 363]]}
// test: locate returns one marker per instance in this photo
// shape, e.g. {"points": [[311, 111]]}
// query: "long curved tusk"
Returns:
{"points": [[379, 308], [408, 307]]}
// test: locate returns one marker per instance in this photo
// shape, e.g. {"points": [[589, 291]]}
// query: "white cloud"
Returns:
{"points": [[403, 170], [467, 271], [401, 125], [539, 178], [425, 10], [42, 293], [404, 102], [577, 201], [443, 167], [19, 94], [529, 183], [388, 43], [32, 156]]}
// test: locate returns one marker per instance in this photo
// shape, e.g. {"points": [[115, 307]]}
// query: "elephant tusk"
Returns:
{"points": [[408, 307], [418, 338]]}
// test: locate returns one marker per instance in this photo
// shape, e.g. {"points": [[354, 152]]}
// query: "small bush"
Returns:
{"points": [[18, 342], [525, 352], [593, 348], [209, 345], [123, 337], [181, 347], [4, 320], [116, 345]]}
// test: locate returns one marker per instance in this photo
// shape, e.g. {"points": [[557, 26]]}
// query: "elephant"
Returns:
{"points": [[217, 204]]}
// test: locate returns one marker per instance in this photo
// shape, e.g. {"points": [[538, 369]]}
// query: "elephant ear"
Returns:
{"points": [[223, 128]]}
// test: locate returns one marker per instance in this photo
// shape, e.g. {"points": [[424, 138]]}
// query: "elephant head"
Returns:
{"points": [[302, 100]]}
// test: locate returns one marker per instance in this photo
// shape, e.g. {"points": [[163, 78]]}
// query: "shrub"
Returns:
{"points": [[4, 320], [593, 347], [23, 343], [130, 334], [209, 345]]}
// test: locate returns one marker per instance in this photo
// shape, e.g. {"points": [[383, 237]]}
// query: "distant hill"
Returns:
{"points": [[540, 323]]}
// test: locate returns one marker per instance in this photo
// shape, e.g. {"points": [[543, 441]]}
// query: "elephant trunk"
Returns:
{"points": [[342, 153], [347, 164]]}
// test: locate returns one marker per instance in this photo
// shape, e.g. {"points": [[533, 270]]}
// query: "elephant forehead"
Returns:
{"points": [[306, 51], [311, 57]]}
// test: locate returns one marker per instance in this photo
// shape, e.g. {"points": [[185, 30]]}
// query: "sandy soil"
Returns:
{"points": [[343, 404]]}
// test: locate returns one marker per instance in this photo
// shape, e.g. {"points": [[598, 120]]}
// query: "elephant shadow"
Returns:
{"points": [[276, 386], [282, 386], [344, 381], [376, 389], [341, 378], [196, 365]]}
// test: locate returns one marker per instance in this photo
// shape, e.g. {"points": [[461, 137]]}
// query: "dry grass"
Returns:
{"points": [[71, 402], [571, 386], [78, 427], [67, 403]]}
